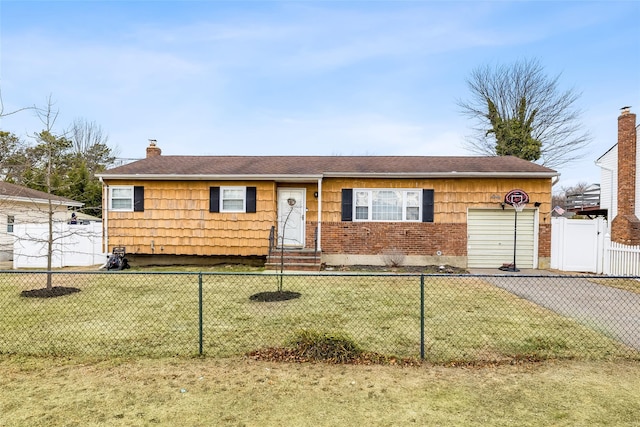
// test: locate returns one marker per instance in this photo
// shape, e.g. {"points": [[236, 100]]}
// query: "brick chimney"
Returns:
{"points": [[152, 150], [625, 227]]}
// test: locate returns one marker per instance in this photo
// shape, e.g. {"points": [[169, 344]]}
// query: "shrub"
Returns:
{"points": [[393, 258], [313, 345]]}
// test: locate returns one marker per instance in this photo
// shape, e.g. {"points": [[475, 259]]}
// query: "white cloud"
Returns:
{"points": [[301, 77]]}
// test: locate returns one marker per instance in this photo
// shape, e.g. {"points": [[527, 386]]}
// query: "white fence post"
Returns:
{"points": [[606, 268], [557, 242], [602, 232], [622, 260]]}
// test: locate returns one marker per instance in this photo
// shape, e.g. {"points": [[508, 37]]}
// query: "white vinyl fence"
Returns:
{"points": [[578, 244], [73, 245], [621, 260], [584, 245]]}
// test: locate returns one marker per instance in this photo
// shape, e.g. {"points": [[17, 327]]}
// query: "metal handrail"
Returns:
{"points": [[272, 238], [315, 242]]}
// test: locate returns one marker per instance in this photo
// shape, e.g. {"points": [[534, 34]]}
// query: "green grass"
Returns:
{"points": [[131, 314]]}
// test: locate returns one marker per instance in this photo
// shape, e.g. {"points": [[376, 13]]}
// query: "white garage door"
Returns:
{"points": [[490, 235]]}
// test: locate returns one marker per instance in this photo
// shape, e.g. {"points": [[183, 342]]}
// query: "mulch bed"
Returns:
{"points": [[274, 296], [53, 292], [424, 269]]}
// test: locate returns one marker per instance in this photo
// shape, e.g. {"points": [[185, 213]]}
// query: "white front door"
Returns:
{"points": [[291, 212]]}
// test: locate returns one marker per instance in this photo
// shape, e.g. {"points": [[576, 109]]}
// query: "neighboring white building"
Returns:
{"points": [[621, 182], [608, 164], [20, 205]]}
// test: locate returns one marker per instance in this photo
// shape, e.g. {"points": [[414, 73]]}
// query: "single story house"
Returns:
{"points": [[620, 181], [347, 210], [20, 205]]}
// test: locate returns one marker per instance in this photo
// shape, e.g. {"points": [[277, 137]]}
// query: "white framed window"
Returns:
{"points": [[121, 198], [11, 220], [233, 199], [383, 204]]}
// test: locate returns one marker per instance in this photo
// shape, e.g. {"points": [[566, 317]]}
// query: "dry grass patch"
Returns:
{"points": [[627, 284], [167, 392]]}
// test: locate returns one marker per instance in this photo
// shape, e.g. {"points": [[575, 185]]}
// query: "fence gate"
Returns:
{"points": [[578, 244]]}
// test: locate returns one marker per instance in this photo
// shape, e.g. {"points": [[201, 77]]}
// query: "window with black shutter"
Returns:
{"points": [[427, 205], [347, 204], [232, 199], [138, 199]]}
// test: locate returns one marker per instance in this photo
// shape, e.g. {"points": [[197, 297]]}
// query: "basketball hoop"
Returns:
{"points": [[518, 199], [518, 206]]}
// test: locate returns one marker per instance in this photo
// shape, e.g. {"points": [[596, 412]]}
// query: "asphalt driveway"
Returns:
{"points": [[613, 311]]}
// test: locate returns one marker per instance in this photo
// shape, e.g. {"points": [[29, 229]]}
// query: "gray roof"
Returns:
{"points": [[283, 167], [18, 192]]}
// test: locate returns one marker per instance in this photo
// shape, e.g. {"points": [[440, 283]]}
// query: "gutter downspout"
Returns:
{"points": [[105, 216], [320, 214]]}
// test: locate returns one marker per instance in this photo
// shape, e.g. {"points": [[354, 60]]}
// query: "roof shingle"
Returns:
{"points": [[325, 165], [18, 191]]}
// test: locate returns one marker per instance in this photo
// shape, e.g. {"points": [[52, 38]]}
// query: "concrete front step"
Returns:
{"points": [[292, 267], [299, 259]]}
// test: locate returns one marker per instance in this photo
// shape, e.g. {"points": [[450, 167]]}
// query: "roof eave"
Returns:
{"points": [[217, 177], [453, 174], [41, 201], [314, 177]]}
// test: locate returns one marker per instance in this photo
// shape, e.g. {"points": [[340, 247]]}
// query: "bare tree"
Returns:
{"points": [[54, 166], [90, 142], [91, 155], [48, 118], [46, 155], [521, 104], [4, 113], [560, 197]]}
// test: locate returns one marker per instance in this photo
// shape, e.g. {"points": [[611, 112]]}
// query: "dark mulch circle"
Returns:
{"points": [[53, 292], [274, 296], [425, 269]]}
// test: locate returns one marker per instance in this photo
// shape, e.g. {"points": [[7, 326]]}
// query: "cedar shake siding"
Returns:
{"points": [[178, 220], [182, 212]]}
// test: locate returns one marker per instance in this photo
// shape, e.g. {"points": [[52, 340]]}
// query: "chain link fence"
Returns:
{"points": [[439, 318]]}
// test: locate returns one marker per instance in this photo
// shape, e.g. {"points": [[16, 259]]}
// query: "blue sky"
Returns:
{"points": [[306, 77]]}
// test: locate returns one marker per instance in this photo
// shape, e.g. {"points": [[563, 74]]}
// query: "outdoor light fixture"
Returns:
{"points": [[537, 204]]}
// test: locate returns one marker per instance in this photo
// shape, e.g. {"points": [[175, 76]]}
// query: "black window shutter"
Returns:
{"points": [[347, 204], [427, 205], [251, 199], [138, 199], [214, 199]]}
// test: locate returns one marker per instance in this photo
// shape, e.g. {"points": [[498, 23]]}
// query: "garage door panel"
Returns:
{"points": [[490, 238]]}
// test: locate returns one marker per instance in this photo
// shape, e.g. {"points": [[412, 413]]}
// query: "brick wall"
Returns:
{"points": [[625, 227], [409, 238], [544, 241]]}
